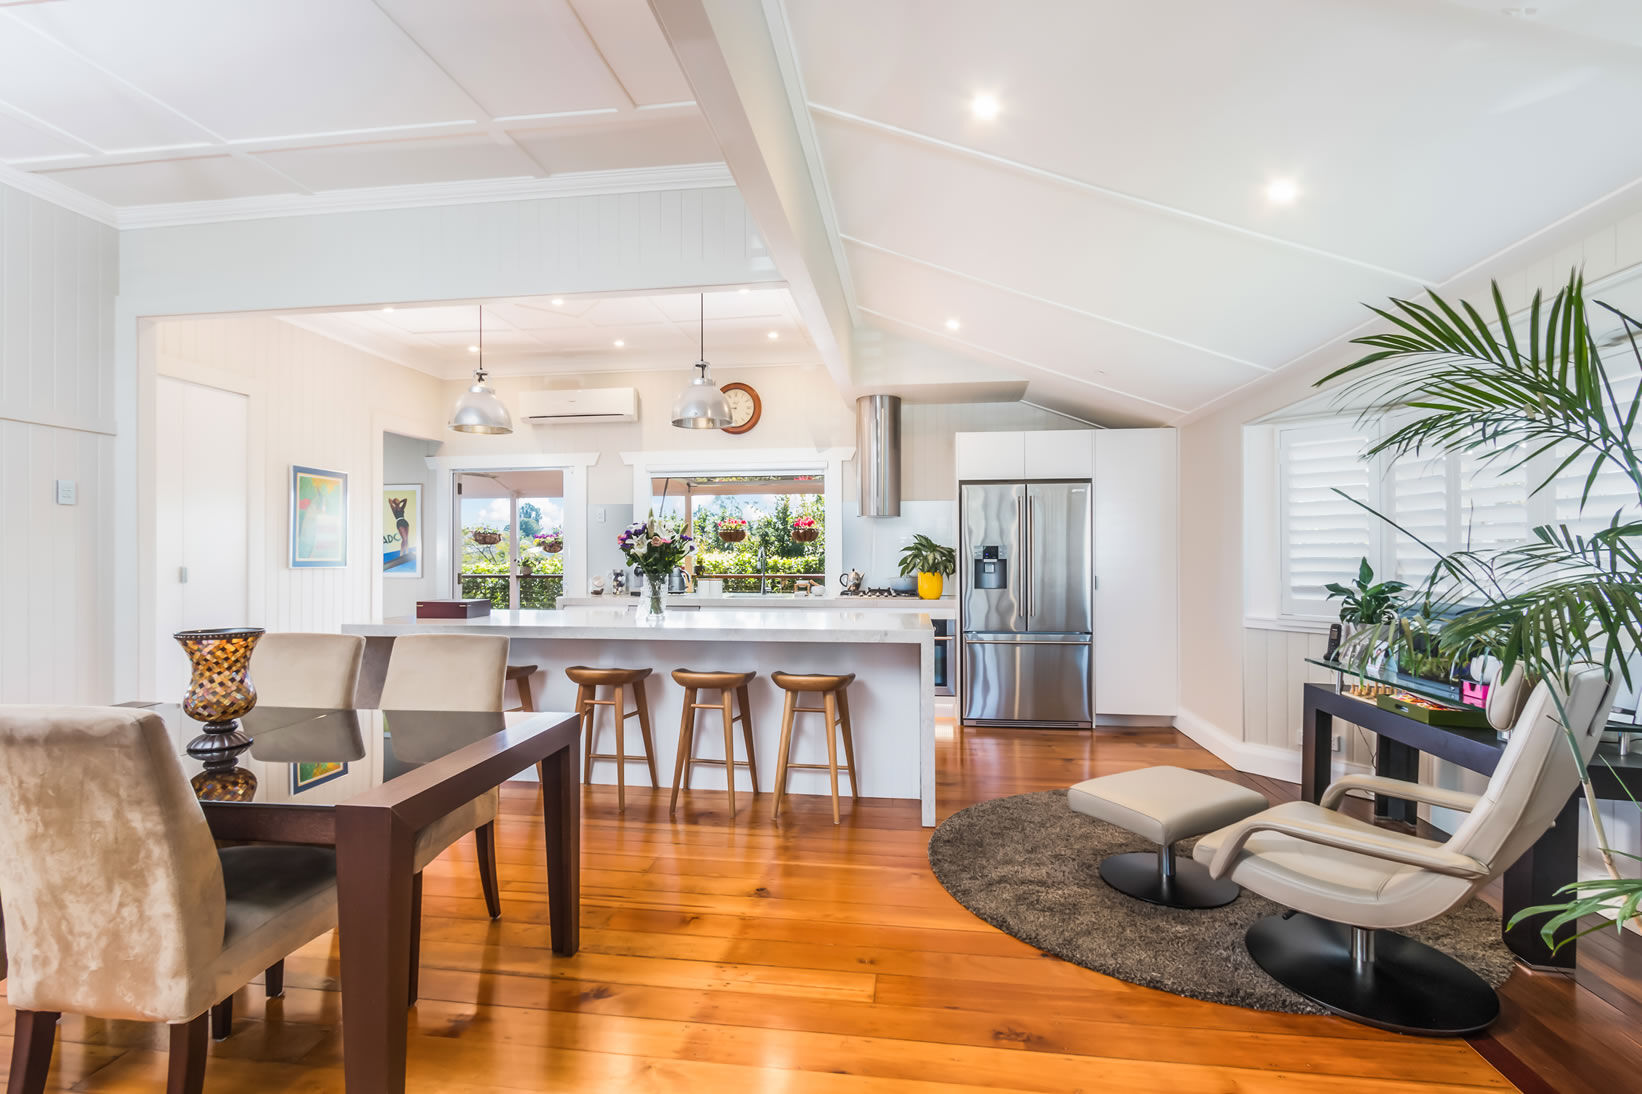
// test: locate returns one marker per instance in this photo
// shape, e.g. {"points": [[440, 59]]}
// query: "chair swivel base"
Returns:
{"points": [[1182, 884], [1403, 985]]}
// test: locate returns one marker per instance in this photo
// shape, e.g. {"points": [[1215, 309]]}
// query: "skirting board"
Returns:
{"points": [[1250, 756]]}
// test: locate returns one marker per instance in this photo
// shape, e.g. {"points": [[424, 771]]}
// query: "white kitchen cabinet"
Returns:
{"points": [[1060, 453], [990, 455], [1137, 514]]}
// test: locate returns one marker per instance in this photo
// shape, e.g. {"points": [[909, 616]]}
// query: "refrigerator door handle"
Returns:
{"points": [[1031, 575], [1027, 640]]}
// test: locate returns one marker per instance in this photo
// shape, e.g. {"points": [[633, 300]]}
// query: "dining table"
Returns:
{"points": [[366, 782]]}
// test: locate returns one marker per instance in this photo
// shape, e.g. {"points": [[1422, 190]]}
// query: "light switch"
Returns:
{"points": [[65, 491], [598, 513]]}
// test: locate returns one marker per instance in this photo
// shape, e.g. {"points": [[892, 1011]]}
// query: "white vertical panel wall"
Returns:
{"points": [[58, 274], [317, 403], [1137, 599]]}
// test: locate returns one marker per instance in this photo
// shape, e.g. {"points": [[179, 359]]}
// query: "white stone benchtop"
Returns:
{"points": [[619, 622]]}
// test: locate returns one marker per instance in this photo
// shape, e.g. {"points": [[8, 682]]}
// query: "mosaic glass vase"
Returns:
{"points": [[220, 691]]}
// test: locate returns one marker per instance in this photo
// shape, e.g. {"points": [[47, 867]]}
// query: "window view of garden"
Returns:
{"points": [[754, 534], [488, 569]]}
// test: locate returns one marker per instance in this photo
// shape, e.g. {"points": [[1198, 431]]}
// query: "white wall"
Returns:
{"points": [[404, 460], [320, 404], [58, 278]]}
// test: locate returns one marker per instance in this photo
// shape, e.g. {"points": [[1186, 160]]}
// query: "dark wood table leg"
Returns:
{"points": [[1551, 863], [1395, 760], [374, 851], [562, 819], [1316, 750]]}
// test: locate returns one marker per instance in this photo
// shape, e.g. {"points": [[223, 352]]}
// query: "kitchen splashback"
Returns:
{"points": [[873, 544]]}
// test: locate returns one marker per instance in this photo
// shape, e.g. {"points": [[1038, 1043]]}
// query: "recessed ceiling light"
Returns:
{"points": [[473, 349], [558, 301], [744, 292], [388, 308], [774, 335], [1282, 191], [619, 343], [984, 107], [952, 324]]}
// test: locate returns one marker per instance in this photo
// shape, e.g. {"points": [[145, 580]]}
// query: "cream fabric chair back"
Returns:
{"points": [[1537, 772], [114, 893], [446, 672], [292, 669]]}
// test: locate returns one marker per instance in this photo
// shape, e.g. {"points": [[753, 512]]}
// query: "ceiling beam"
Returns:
{"points": [[733, 62]]}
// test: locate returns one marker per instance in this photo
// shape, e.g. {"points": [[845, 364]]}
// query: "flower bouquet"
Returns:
{"points": [[550, 542], [655, 547], [732, 530], [805, 530]]}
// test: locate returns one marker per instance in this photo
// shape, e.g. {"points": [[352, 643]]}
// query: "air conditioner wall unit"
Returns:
{"points": [[572, 406]]}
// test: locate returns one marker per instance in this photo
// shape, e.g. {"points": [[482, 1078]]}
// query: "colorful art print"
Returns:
{"points": [[319, 518], [402, 531], [306, 776]]}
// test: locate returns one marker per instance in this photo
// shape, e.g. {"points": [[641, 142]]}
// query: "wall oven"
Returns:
{"points": [[946, 656]]}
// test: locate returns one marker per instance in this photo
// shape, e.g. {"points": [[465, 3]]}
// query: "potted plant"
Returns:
{"points": [[551, 542], [931, 562], [485, 535], [805, 530], [656, 547], [1365, 601], [732, 530]]}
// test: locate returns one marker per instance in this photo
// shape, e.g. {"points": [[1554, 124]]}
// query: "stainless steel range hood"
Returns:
{"points": [[878, 454]]}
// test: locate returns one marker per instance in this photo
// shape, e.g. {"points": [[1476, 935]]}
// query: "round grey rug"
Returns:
{"points": [[1029, 866]]}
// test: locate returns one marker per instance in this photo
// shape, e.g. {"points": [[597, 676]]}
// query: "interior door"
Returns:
{"points": [[1061, 550], [200, 489]]}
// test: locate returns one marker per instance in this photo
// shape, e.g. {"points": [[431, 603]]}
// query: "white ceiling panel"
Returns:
{"points": [[513, 56], [1023, 329], [635, 49], [20, 141], [262, 68], [1213, 287], [675, 140], [206, 178], [403, 163]]}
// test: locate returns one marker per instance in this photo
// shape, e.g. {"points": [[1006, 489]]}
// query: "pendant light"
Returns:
{"points": [[701, 405], [479, 410]]}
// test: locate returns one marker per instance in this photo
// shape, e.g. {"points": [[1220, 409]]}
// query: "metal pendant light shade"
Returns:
{"points": [[479, 410], [702, 405]]}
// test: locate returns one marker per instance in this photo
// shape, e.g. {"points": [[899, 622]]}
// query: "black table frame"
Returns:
{"points": [[1553, 860]]}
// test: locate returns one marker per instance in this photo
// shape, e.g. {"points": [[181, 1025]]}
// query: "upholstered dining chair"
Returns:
{"points": [[119, 903], [296, 669], [1352, 885], [448, 672]]}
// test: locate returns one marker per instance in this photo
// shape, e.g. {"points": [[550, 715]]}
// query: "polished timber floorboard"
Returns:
{"points": [[796, 956]]}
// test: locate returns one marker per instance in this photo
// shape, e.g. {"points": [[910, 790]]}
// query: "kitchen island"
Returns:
{"points": [[891, 701]]}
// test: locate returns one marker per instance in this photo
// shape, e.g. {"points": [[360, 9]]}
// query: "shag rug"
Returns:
{"points": [[1030, 866]]}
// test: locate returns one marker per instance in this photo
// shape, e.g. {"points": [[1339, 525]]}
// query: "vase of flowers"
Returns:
{"points": [[551, 542], [655, 547], [732, 530], [805, 530]]}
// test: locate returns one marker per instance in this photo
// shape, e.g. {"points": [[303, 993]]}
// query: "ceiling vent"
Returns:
{"points": [[580, 406]]}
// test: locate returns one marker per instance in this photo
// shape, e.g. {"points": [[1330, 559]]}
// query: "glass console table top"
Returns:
{"points": [[310, 757], [1433, 690]]}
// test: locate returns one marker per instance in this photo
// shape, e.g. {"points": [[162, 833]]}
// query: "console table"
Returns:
{"points": [[1551, 863]]}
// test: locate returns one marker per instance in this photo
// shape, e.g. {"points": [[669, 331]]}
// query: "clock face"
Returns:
{"points": [[745, 407]]}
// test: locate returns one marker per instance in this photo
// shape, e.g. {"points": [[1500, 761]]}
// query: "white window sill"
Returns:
{"points": [[1291, 624]]}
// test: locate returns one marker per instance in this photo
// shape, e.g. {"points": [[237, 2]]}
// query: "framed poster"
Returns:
{"points": [[306, 776], [402, 531], [319, 518]]}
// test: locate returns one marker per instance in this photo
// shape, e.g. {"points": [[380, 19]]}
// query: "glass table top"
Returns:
{"points": [[309, 757], [1621, 721]]}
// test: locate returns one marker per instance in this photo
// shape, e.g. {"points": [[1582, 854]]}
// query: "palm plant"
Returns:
{"points": [[1476, 383]]}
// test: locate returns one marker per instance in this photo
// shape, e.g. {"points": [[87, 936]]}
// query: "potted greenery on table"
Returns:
{"points": [[931, 562], [1366, 601]]}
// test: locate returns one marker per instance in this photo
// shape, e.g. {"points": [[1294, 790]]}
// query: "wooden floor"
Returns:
{"points": [[798, 956]]}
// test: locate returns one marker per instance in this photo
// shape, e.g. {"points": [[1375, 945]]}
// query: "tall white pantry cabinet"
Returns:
{"points": [[1136, 479]]}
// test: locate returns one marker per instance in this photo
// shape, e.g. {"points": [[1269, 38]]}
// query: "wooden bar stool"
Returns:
{"points": [[733, 686], [520, 675], [835, 704], [588, 681]]}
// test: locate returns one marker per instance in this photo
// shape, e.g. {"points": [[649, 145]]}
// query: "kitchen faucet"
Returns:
{"points": [[763, 579]]}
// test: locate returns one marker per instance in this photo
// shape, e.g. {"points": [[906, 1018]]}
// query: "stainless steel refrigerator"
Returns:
{"points": [[1026, 580]]}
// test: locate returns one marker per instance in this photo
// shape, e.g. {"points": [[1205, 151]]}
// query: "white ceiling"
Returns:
{"points": [[1108, 237], [184, 101], [535, 336]]}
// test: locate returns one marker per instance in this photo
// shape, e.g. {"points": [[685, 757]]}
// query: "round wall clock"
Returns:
{"points": [[745, 407]]}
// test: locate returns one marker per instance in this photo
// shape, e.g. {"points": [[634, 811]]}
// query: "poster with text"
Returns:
{"points": [[402, 531]]}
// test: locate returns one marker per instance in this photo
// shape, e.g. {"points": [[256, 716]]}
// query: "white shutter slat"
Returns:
{"points": [[1324, 535]]}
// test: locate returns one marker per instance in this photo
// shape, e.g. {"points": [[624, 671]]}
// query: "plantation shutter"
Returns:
{"points": [[1493, 502], [1325, 536], [1419, 487]]}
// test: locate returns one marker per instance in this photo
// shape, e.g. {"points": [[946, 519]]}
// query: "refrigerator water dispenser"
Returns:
{"points": [[991, 572]]}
